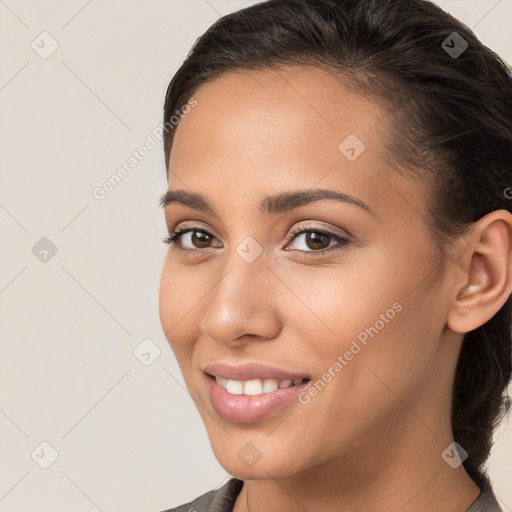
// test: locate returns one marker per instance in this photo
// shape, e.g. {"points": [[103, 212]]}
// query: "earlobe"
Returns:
{"points": [[488, 273]]}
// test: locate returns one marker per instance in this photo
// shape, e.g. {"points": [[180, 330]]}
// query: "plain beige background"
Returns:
{"points": [[117, 429]]}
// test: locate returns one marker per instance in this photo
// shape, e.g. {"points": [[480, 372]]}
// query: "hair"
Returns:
{"points": [[450, 124]]}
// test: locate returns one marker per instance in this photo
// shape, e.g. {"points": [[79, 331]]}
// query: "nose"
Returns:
{"points": [[244, 304]]}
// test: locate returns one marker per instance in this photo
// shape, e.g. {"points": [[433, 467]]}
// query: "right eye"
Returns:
{"points": [[196, 238]]}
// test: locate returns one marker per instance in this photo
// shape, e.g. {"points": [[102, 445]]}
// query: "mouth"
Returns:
{"points": [[256, 386], [253, 400]]}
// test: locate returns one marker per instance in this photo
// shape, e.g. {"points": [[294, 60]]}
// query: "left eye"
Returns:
{"points": [[314, 241]]}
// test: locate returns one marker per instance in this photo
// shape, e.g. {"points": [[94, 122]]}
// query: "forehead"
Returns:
{"points": [[287, 102], [259, 132]]}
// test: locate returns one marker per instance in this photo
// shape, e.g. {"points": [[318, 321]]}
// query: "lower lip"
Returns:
{"points": [[250, 408]]}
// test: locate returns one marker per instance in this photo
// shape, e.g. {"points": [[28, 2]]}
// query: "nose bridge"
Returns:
{"points": [[244, 271], [240, 302]]}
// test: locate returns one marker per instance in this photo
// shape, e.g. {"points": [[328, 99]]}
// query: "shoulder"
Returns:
{"points": [[216, 500], [486, 500]]}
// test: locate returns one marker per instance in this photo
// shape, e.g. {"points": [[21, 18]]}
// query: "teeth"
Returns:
{"points": [[235, 387], [255, 386]]}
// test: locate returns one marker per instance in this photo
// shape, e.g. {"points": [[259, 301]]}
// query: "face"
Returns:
{"points": [[345, 293]]}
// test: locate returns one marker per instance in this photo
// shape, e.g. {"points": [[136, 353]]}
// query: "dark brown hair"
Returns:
{"points": [[450, 108]]}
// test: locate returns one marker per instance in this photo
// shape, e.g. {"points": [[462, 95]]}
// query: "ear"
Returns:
{"points": [[486, 273]]}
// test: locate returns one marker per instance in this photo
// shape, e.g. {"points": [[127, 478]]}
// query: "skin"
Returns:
{"points": [[372, 438]]}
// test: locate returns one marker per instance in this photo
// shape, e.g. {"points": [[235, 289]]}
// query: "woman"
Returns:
{"points": [[337, 288]]}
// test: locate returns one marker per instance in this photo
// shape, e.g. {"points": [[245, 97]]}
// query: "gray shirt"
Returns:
{"points": [[223, 499]]}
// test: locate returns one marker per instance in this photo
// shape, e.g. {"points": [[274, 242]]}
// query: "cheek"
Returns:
{"points": [[166, 299], [340, 305], [366, 314], [387, 340], [177, 296]]}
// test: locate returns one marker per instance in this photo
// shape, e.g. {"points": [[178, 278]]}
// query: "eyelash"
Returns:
{"points": [[176, 235]]}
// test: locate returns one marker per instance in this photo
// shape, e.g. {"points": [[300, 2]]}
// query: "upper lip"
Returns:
{"points": [[250, 371]]}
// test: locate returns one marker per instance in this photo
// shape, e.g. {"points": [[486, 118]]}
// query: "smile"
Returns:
{"points": [[255, 386], [252, 400]]}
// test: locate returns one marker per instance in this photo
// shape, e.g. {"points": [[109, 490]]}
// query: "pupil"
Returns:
{"points": [[196, 238], [317, 240]]}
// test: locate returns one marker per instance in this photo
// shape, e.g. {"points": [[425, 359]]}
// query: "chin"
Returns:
{"points": [[246, 462]]}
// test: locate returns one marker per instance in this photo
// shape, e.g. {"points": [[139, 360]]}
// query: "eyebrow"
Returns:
{"points": [[269, 205]]}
